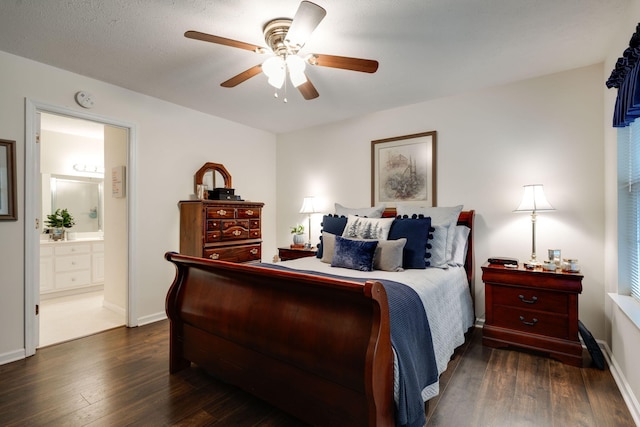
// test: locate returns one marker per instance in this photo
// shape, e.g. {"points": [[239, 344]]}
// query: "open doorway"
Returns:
{"points": [[70, 157], [76, 299]]}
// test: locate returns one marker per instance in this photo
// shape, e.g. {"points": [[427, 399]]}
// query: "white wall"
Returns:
{"points": [[116, 227], [172, 144], [546, 130]]}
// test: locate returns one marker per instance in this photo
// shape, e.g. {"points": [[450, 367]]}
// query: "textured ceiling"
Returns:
{"points": [[426, 49]]}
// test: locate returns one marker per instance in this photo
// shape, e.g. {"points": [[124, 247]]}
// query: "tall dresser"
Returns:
{"points": [[221, 230]]}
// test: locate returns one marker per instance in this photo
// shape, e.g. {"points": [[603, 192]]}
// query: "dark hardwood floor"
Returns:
{"points": [[120, 377]]}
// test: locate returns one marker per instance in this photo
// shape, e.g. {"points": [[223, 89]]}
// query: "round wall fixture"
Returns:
{"points": [[84, 99]]}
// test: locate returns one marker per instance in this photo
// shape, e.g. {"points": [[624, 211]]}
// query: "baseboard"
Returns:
{"points": [[156, 317], [115, 308], [12, 356], [622, 383]]}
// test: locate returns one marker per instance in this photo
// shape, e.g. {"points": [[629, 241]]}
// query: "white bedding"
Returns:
{"points": [[444, 293]]}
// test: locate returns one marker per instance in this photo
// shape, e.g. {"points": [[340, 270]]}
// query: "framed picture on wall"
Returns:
{"points": [[8, 180], [403, 170]]}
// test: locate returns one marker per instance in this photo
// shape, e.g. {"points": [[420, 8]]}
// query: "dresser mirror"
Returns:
{"points": [[81, 196], [213, 175]]}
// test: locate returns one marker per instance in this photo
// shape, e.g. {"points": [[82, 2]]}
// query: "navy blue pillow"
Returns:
{"points": [[354, 254], [416, 231], [331, 224]]}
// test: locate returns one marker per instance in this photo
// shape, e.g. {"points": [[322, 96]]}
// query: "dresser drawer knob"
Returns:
{"points": [[214, 256], [254, 251], [250, 212], [528, 301], [237, 232], [533, 323], [222, 212]]}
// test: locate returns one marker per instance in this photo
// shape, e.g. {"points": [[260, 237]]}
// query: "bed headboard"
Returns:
{"points": [[465, 218]]}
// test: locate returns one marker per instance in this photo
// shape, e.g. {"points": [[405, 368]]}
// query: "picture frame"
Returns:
{"points": [[8, 180], [403, 170]]}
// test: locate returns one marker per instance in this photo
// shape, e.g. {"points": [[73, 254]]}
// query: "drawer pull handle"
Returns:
{"points": [[528, 323], [237, 232], [222, 212], [214, 256], [250, 212], [528, 301], [254, 251]]}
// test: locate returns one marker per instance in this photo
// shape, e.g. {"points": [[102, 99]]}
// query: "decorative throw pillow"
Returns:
{"points": [[367, 228], [329, 243], [354, 254], [331, 224], [416, 232], [373, 212], [389, 255], [447, 217], [460, 244]]}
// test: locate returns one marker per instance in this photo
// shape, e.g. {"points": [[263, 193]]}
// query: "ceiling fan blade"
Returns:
{"points": [[344, 62], [304, 22], [197, 35], [243, 76], [308, 90]]}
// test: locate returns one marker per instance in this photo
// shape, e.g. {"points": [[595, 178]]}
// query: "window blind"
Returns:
{"points": [[629, 208]]}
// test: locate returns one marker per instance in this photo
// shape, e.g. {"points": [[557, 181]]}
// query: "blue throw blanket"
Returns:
{"points": [[411, 340]]}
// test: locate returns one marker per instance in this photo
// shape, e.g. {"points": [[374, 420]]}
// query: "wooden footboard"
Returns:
{"points": [[318, 348]]}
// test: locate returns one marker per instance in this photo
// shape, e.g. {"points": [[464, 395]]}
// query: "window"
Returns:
{"points": [[629, 209]]}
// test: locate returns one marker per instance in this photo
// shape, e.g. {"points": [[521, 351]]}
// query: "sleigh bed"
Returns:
{"points": [[312, 339]]}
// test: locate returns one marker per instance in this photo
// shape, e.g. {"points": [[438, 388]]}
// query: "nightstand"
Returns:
{"points": [[288, 253], [533, 309]]}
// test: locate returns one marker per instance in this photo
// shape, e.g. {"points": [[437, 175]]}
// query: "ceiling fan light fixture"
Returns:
{"points": [[275, 70], [296, 67]]}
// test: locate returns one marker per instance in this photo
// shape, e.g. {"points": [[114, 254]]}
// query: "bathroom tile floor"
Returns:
{"points": [[70, 317]]}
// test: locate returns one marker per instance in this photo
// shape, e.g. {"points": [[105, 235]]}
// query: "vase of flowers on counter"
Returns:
{"points": [[58, 222]]}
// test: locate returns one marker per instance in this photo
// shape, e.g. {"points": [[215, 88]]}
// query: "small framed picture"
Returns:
{"points": [[554, 255]]}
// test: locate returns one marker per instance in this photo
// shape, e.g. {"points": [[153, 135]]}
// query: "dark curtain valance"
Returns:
{"points": [[625, 77]]}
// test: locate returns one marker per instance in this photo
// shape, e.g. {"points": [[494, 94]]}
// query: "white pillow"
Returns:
{"points": [[374, 212], [437, 247], [460, 244], [440, 216], [367, 228]]}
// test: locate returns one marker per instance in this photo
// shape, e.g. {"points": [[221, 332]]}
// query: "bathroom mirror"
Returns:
{"points": [[81, 196]]}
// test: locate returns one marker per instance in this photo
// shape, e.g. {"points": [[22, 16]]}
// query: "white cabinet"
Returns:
{"points": [[46, 268], [68, 267]]}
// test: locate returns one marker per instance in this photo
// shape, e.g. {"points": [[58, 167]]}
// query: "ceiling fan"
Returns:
{"points": [[286, 38]]}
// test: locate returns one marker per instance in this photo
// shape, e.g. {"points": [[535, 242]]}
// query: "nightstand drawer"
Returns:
{"points": [[530, 321], [530, 298]]}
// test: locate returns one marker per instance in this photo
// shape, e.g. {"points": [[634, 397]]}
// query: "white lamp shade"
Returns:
{"points": [[308, 205], [534, 200]]}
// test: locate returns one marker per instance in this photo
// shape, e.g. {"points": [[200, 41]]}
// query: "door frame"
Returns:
{"points": [[33, 222]]}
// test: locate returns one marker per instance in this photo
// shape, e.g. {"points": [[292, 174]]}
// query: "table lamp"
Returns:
{"points": [[309, 207], [533, 200]]}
